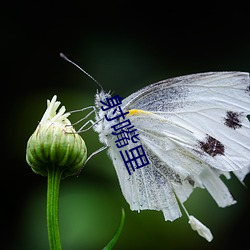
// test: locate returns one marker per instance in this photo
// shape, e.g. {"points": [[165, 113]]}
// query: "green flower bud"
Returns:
{"points": [[55, 144]]}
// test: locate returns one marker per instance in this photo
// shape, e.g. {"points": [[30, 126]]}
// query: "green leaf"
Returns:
{"points": [[117, 234]]}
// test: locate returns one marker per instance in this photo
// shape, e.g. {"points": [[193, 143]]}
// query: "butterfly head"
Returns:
{"points": [[103, 127]]}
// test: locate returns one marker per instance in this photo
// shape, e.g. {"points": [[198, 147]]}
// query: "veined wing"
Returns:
{"points": [[145, 188], [172, 153], [173, 170], [212, 106], [174, 94]]}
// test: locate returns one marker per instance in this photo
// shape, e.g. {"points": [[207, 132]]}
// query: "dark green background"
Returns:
{"points": [[125, 45]]}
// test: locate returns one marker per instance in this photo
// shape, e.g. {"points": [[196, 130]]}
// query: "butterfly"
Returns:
{"points": [[193, 129]]}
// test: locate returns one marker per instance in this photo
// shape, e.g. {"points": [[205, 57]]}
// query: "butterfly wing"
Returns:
{"points": [[146, 188], [193, 129], [212, 106]]}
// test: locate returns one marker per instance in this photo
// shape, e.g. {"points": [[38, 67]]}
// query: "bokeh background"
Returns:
{"points": [[125, 45]]}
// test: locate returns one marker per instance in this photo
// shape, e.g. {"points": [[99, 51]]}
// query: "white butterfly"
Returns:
{"points": [[193, 129]]}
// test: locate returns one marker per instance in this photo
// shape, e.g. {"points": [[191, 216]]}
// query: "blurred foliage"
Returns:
{"points": [[124, 49]]}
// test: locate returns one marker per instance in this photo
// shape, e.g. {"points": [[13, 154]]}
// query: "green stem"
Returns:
{"points": [[54, 177]]}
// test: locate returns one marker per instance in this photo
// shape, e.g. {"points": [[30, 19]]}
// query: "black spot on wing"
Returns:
{"points": [[233, 119], [190, 181], [212, 146]]}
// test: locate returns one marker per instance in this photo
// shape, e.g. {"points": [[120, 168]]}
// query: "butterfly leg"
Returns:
{"points": [[81, 129], [91, 155], [86, 116], [83, 109], [96, 152]]}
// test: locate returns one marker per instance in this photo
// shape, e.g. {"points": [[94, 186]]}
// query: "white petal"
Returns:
{"points": [[200, 228], [51, 114]]}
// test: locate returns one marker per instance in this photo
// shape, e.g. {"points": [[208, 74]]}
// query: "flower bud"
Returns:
{"points": [[55, 144]]}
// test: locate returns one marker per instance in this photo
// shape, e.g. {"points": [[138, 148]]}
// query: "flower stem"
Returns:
{"points": [[54, 177]]}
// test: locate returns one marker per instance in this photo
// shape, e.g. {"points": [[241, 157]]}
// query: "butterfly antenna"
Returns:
{"points": [[86, 73]]}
